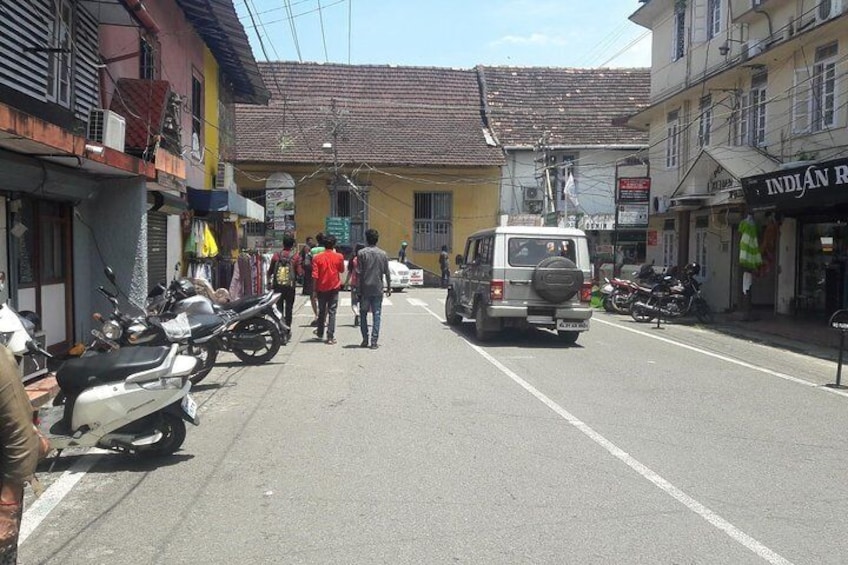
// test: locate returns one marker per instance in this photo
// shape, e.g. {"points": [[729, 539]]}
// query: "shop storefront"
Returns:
{"points": [[812, 202]]}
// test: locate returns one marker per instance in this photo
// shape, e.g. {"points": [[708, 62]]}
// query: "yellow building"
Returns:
{"points": [[403, 150]]}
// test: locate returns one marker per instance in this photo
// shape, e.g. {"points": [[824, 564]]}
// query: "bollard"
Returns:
{"points": [[660, 292], [839, 321]]}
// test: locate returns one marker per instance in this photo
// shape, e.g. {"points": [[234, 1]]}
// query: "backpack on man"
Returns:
{"points": [[284, 273]]}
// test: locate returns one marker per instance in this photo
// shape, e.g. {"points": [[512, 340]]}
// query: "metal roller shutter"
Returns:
{"points": [[157, 248]]}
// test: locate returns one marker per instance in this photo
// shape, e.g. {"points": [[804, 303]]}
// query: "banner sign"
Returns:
{"points": [[632, 215], [821, 184], [339, 227]]}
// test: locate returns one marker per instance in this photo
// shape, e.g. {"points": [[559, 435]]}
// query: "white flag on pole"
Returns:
{"points": [[570, 191]]}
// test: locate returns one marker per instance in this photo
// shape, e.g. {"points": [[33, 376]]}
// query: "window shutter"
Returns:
{"points": [[699, 21], [801, 110]]}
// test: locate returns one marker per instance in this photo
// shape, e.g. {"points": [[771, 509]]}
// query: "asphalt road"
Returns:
{"points": [[637, 445]]}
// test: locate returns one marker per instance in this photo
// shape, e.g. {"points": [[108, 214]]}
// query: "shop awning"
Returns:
{"points": [[225, 201], [715, 176], [165, 202]]}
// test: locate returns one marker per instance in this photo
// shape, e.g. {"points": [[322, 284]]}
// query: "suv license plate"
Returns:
{"points": [[566, 325], [189, 407]]}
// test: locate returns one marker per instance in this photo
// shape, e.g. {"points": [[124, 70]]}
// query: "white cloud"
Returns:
{"points": [[534, 39]]}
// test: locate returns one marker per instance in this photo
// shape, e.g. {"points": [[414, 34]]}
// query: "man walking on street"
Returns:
{"points": [[373, 265], [283, 278], [327, 268], [313, 251], [444, 265]]}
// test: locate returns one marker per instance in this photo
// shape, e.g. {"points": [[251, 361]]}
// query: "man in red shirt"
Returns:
{"points": [[326, 270]]}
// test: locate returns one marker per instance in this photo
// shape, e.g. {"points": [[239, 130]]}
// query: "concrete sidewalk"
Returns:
{"points": [[802, 335]]}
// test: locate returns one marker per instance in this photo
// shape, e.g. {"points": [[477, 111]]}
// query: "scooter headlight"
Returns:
{"points": [[111, 330]]}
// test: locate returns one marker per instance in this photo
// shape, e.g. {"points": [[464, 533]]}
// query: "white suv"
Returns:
{"points": [[520, 276]]}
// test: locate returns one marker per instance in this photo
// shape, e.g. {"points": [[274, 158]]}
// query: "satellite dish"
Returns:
{"points": [[279, 180]]}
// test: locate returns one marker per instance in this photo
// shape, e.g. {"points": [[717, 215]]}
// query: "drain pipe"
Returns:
{"points": [[140, 13]]}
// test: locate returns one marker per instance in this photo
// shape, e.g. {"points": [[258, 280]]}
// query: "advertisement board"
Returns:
{"points": [[633, 189]]}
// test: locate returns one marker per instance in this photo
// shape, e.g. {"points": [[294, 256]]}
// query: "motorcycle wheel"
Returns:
{"points": [[173, 435], [271, 341], [704, 313], [638, 313], [207, 354], [609, 303], [621, 302]]}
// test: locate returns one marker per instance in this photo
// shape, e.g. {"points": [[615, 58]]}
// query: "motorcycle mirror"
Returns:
{"points": [[110, 274]]}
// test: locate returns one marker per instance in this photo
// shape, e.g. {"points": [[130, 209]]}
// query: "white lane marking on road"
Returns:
{"points": [[717, 521], [442, 300], [51, 498], [387, 302], [416, 302], [721, 357]]}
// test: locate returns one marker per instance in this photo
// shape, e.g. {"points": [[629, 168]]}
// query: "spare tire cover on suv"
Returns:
{"points": [[557, 279]]}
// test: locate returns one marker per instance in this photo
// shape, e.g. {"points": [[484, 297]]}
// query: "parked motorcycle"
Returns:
{"points": [[134, 400], [619, 293], [673, 299], [249, 336]]}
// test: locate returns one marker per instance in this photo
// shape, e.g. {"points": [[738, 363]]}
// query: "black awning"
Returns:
{"points": [[810, 186], [166, 202]]}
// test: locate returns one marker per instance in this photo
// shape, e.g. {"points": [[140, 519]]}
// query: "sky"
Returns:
{"points": [[448, 33]]}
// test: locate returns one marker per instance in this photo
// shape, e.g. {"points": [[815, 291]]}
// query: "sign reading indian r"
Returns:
{"points": [[811, 185]]}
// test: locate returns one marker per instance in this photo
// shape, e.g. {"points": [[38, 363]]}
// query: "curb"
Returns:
{"points": [[43, 390]]}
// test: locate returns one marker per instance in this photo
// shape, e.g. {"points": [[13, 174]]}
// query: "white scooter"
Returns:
{"points": [[133, 400]]}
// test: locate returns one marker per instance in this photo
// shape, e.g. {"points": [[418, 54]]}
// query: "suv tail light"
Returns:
{"points": [[496, 290], [586, 292]]}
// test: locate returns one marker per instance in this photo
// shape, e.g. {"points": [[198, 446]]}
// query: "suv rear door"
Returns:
{"points": [[523, 254]]}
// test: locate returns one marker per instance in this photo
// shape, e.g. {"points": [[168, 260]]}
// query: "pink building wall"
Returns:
{"points": [[181, 53]]}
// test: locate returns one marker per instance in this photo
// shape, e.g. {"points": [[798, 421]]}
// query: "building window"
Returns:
{"points": [[702, 224], [713, 18], [679, 36], [705, 123], [345, 202], [672, 141], [60, 56], [669, 245], [751, 125], [43, 251], [256, 229], [433, 221], [146, 59], [196, 114], [824, 88]]}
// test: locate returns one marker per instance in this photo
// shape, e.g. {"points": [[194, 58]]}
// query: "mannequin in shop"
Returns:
{"points": [[750, 260]]}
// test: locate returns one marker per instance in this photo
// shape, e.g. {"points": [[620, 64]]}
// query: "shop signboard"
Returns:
{"points": [[633, 190], [339, 227], [632, 215], [807, 186], [416, 277]]}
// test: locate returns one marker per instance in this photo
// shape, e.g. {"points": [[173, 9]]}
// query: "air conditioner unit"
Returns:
{"points": [[828, 9], [107, 128], [751, 48], [226, 176], [532, 193], [533, 206]]}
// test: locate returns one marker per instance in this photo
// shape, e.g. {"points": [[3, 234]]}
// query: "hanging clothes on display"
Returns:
{"points": [[750, 258]]}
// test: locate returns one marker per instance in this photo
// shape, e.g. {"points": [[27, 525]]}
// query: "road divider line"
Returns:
{"points": [[725, 358], [711, 517], [51, 497]]}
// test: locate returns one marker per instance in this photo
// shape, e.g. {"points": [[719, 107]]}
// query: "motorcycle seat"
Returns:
{"points": [[76, 375], [239, 305]]}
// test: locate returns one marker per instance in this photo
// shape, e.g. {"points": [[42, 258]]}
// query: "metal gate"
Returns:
{"points": [[157, 248]]}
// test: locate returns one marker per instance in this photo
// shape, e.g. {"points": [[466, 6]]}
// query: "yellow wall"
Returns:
{"points": [[210, 114], [391, 197]]}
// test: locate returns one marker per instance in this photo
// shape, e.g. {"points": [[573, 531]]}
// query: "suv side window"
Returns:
{"points": [[470, 251], [486, 251]]}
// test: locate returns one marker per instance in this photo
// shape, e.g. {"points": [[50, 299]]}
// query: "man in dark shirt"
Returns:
{"points": [[373, 265]]}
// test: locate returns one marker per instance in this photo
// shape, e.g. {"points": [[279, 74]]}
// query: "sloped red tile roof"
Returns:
{"points": [[141, 102], [575, 106], [383, 115]]}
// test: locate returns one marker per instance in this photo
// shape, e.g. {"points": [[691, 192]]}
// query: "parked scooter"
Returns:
{"points": [[673, 299], [134, 400]]}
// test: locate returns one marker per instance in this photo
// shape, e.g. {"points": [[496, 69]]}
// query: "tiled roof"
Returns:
{"points": [[575, 106], [383, 115]]}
